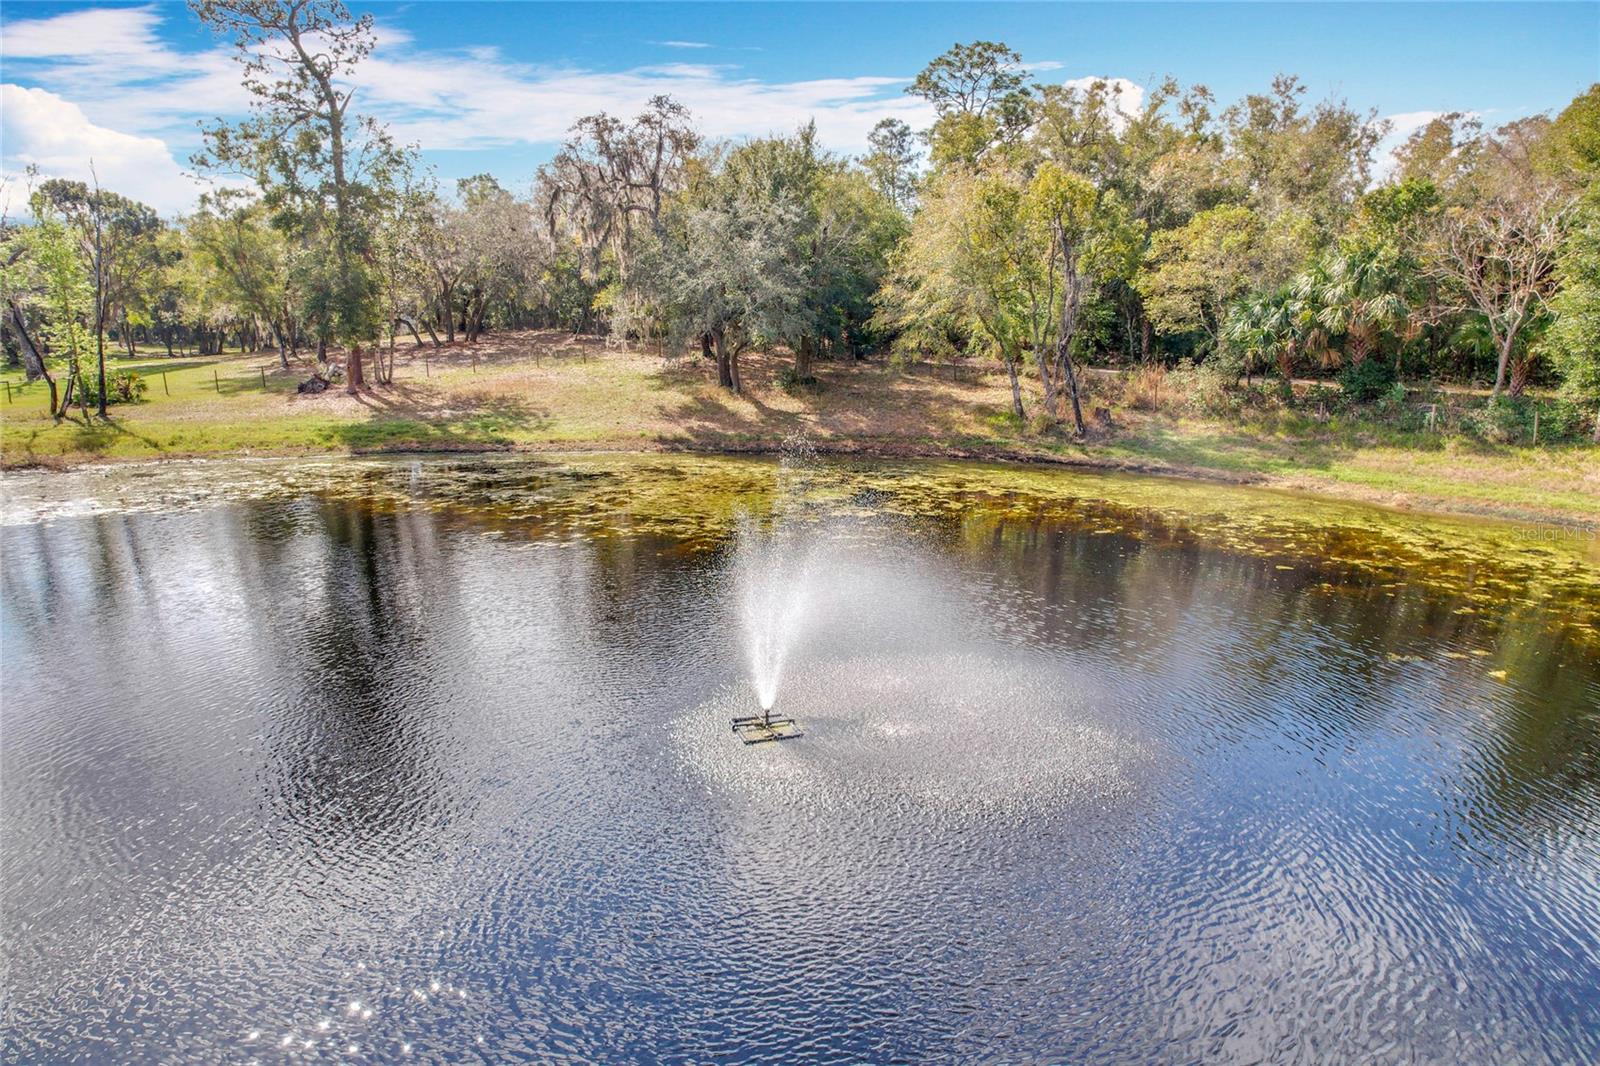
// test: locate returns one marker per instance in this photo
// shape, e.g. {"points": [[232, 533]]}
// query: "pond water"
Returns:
{"points": [[349, 760]]}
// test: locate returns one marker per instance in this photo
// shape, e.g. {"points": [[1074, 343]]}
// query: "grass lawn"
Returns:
{"points": [[548, 390]]}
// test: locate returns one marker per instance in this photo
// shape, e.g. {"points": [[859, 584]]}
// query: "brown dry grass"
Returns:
{"points": [[548, 390]]}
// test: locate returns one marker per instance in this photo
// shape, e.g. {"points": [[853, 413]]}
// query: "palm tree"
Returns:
{"points": [[1246, 329], [1276, 326], [1307, 309], [1360, 299]]}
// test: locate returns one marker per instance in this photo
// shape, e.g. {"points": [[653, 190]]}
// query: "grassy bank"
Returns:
{"points": [[551, 391]]}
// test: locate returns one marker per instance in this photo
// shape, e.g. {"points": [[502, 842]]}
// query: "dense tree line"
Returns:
{"points": [[1040, 225]]}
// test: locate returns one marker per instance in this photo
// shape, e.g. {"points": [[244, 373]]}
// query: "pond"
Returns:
{"points": [[349, 760]]}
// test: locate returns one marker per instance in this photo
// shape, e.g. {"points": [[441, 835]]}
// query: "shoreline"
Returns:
{"points": [[1326, 488], [541, 392]]}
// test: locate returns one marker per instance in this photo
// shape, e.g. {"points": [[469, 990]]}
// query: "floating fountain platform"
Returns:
{"points": [[760, 728]]}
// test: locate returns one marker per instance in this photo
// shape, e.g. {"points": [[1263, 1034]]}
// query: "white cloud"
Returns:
{"points": [[40, 128], [114, 64], [682, 44], [128, 34], [1126, 97], [1401, 126], [436, 100]]}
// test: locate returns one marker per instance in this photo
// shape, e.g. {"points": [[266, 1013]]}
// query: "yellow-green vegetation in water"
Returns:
{"points": [[694, 502]]}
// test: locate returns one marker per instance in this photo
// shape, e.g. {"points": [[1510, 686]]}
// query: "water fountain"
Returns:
{"points": [[772, 576]]}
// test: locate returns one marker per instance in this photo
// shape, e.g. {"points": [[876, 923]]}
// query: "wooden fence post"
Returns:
{"points": [[164, 387], [216, 383], [263, 377]]}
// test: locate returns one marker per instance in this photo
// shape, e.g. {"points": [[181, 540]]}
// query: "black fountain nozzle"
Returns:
{"points": [[763, 727]]}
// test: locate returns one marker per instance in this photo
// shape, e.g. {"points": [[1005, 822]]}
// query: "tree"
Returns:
{"points": [[892, 162], [1301, 169], [1498, 258], [1359, 297], [45, 270], [847, 256], [981, 99], [726, 271], [499, 251], [116, 238], [1443, 153], [1088, 233], [435, 239], [613, 177], [324, 172], [233, 239], [974, 79], [975, 258], [842, 231], [1194, 272], [1165, 163], [1572, 157], [1266, 327]]}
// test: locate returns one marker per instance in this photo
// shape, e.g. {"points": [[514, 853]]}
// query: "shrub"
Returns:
{"points": [[125, 386], [1143, 387], [122, 386], [1324, 399], [1392, 402], [1208, 388], [1498, 421], [791, 382], [1564, 420], [1367, 380], [1512, 421]]}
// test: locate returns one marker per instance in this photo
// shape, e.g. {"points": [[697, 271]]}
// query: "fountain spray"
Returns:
{"points": [[772, 572]]}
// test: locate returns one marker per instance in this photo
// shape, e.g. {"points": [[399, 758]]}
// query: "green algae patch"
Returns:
{"points": [[689, 504]]}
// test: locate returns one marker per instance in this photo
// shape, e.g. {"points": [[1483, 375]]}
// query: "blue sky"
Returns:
{"points": [[493, 86]]}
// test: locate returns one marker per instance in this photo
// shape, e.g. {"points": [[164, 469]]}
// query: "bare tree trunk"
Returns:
{"points": [[1042, 361], [412, 326], [1071, 297], [705, 347], [1071, 376], [1016, 386], [802, 360], [1521, 371], [726, 375], [1505, 357], [100, 354], [58, 413], [32, 359], [352, 371]]}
